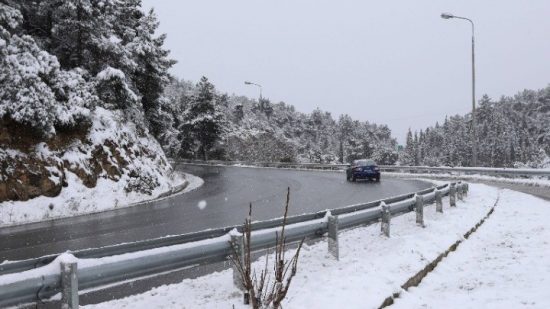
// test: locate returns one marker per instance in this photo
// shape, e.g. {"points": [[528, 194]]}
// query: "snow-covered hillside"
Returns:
{"points": [[80, 107], [109, 167]]}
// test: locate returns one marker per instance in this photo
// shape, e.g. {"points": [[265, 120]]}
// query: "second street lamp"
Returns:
{"points": [[257, 85], [474, 138]]}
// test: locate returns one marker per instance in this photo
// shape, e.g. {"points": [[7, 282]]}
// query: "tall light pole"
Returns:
{"points": [[257, 85], [474, 139]]}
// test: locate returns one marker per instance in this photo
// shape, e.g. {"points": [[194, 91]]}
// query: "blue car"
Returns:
{"points": [[363, 169]]}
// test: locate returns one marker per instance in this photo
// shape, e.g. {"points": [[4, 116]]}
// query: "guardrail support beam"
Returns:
{"points": [[419, 207], [452, 195], [333, 236], [237, 241], [69, 285], [438, 201], [386, 218]]}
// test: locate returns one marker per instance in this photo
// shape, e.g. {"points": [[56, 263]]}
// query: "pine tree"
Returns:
{"points": [[203, 120], [345, 129], [150, 75], [35, 92], [407, 157]]}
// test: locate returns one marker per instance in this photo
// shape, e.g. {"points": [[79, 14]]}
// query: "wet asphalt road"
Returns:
{"points": [[227, 192]]}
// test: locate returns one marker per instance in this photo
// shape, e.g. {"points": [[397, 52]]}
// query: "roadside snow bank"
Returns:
{"points": [[371, 267], [505, 264], [80, 200]]}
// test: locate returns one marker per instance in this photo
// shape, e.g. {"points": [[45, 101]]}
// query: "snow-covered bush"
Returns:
{"points": [[113, 90], [25, 74]]}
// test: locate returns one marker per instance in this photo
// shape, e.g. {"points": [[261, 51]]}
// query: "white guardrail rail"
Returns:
{"points": [[41, 278], [525, 172]]}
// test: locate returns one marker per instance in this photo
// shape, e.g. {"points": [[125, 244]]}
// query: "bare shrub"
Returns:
{"points": [[268, 288]]}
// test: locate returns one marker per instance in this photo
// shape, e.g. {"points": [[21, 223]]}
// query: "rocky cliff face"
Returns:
{"points": [[107, 148]]}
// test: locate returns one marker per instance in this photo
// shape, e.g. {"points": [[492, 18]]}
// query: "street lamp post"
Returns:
{"points": [[257, 85], [474, 139]]}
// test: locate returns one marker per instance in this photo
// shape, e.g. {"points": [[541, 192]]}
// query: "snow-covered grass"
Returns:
{"points": [[373, 267]]}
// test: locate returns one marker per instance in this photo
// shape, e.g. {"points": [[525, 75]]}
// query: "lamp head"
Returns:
{"points": [[447, 15], [247, 83]]}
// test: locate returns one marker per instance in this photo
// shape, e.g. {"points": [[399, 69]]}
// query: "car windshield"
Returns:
{"points": [[364, 163]]}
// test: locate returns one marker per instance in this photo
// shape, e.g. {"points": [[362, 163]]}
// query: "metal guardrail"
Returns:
{"points": [[23, 265], [203, 247], [471, 170], [526, 172]]}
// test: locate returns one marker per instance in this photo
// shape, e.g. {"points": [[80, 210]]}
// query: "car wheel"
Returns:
{"points": [[353, 178], [378, 179]]}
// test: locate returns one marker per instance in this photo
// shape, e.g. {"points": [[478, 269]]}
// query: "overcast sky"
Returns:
{"points": [[389, 62]]}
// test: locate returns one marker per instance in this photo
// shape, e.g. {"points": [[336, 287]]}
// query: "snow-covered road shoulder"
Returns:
{"points": [[372, 267], [80, 200], [505, 264]]}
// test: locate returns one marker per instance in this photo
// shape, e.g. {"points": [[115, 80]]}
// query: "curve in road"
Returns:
{"points": [[222, 201]]}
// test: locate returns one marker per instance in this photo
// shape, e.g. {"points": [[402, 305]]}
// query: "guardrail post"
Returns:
{"points": [[69, 285], [438, 201], [333, 236], [419, 207], [386, 218], [238, 245], [452, 195]]}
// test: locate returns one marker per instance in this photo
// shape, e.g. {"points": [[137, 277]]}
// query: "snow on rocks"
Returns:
{"points": [[132, 168], [373, 267], [77, 199]]}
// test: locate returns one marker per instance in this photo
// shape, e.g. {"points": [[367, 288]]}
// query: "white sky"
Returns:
{"points": [[392, 62]]}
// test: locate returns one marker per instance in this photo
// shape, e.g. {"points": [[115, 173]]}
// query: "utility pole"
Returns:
{"points": [[257, 85], [474, 129]]}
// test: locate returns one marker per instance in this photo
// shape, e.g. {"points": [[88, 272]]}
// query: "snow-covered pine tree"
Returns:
{"points": [[203, 121], [35, 91], [150, 72]]}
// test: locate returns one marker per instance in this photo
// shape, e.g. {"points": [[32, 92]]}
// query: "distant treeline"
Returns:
{"points": [[511, 132], [206, 124]]}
